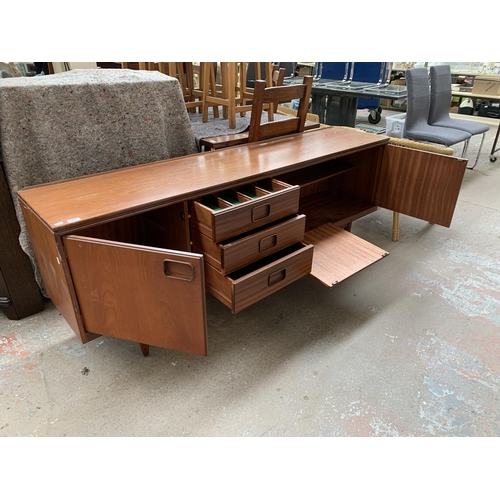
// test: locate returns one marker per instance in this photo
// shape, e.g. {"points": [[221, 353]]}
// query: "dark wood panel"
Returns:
{"points": [[420, 184], [166, 227], [361, 181], [339, 254], [19, 284], [140, 294]]}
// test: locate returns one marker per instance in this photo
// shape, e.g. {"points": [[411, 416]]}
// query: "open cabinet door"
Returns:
{"points": [[420, 184], [142, 294]]}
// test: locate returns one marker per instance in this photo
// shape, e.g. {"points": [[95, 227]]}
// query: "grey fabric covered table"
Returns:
{"points": [[83, 122]]}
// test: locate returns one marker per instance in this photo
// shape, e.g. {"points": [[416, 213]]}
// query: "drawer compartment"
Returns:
{"points": [[234, 254], [236, 211], [252, 283]]}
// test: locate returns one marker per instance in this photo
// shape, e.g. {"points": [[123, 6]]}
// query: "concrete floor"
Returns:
{"points": [[407, 347]]}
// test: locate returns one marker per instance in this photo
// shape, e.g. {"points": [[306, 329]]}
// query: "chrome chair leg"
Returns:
{"points": [[466, 145], [478, 152]]}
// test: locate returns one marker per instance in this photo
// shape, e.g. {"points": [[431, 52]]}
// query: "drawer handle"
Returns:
{"points": [[261, 212], [178, 270], [276, 277], [268, 242]]}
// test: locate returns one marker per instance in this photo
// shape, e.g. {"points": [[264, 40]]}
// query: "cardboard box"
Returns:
{"points": [[487, 85], [399, 81]]}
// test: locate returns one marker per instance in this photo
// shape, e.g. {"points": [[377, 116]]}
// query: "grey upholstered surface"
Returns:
{"points": [[440, 99], [417, 112], [87, 121]]}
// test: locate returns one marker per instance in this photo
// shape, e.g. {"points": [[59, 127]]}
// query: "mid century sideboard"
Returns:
{"points": [[131, 253]]}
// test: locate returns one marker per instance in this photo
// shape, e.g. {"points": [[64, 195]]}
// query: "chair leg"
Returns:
{"points": [[464, 150], [395, 226], [478, 152]]}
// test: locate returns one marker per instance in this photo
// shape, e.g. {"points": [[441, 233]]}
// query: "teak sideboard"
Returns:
{"points": [[130, 253]]}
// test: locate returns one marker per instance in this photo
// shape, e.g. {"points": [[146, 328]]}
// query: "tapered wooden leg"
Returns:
{"points": [[145, 349], [395, 226]]}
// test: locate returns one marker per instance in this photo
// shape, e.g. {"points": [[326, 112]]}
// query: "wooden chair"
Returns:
{"points": [[223, 94], [232, 93], [278, 76], [258, 131], [271, 78], [273, 96], [184, 72], [151, 66]]}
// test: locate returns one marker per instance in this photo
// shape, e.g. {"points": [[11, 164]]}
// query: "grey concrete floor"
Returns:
{"points": [[407, 347]]}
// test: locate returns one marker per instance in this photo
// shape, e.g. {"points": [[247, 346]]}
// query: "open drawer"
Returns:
{"points": [[236, 211], [238, 252], [252, 283]]}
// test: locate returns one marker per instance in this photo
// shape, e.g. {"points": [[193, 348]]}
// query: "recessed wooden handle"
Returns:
{"points": [[268, 242], [261, 212], [276, 277], [178, 270]]}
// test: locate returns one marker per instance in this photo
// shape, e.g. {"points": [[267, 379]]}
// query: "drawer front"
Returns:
{"points": [[259, 280], [233, 212], [235, 254]]}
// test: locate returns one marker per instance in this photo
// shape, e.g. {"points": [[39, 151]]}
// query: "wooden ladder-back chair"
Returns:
{"points": [[272, 96], [296, 124], [278, 76]]}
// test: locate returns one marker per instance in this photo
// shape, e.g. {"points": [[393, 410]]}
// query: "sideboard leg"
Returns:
{"points": [[145, 349], [395, 226]]}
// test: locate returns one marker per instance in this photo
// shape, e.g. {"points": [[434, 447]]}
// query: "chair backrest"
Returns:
{"points": [[278, 76], [363, 71], [440, 97], [417, 113], [418, 98], [273, 95]]}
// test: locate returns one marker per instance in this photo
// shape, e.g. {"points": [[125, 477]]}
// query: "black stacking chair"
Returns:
{"points": [[439, 112], [416, 126]]}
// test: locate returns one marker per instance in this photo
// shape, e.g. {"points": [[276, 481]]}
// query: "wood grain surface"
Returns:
{"points": [[141, 294], [339, 254], [79, 202]]}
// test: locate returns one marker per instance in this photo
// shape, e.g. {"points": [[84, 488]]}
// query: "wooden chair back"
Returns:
{"points": [[278, 76], [272, 96]]}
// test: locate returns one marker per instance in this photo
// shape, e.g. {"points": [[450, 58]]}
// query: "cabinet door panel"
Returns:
{"points": [[339, 254], [420, 184], [143, 294]]}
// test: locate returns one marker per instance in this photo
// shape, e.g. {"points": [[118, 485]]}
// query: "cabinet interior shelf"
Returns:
{"points": [[318, 173]]}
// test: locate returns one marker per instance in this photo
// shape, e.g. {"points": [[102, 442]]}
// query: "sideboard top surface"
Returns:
{"points": [[78, 202]]}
